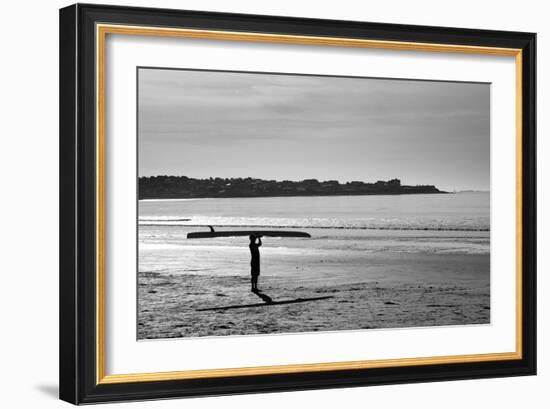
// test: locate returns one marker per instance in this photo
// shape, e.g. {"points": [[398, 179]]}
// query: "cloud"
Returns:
{"points": [[184, 112]]}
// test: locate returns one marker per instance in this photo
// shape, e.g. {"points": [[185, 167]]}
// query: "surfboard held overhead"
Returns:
{"points": [[235, 233]]}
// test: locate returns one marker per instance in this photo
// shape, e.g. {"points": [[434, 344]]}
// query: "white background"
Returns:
{"points": [[29, 170]]}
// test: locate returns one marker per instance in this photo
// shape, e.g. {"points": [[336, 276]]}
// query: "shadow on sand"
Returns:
{"points": [[267, 301], [266, 298]]}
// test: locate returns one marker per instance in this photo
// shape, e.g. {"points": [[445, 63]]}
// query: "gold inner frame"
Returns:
{"points": [[101, 33]]}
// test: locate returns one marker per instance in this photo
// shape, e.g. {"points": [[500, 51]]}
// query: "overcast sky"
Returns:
{"points": [[207, 123]]}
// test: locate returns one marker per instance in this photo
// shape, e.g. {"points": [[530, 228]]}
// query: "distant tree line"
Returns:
{"points": [[182, 187]]}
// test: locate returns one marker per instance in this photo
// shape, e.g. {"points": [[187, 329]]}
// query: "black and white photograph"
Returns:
{"points": [[264, 199], [283, 203]]}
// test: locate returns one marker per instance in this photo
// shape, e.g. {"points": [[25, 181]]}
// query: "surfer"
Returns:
{"points": [[254, 261]]}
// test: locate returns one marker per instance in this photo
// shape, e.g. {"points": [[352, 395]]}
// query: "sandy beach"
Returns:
{"points": [[170, 303]]}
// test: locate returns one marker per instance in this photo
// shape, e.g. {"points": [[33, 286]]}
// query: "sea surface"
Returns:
{"points": [[344, 230]]}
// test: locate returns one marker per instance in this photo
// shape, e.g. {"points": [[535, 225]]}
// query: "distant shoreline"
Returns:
{"points": [[153, 199], [182, 187]]}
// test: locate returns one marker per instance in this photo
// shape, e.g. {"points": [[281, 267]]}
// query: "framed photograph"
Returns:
{"points": [[257, 203]]}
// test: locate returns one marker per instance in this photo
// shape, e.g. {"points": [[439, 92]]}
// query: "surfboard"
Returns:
{"points": [[235, 233]]}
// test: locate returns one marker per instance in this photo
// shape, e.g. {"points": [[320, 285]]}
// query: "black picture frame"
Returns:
{"points": [[78, 194]]}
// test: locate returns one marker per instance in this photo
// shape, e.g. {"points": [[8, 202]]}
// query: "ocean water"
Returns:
{"points": [[353, 237], [449, 212]]}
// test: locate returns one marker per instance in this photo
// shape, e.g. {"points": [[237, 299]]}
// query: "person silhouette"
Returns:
{"points": [[254, 261]]}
